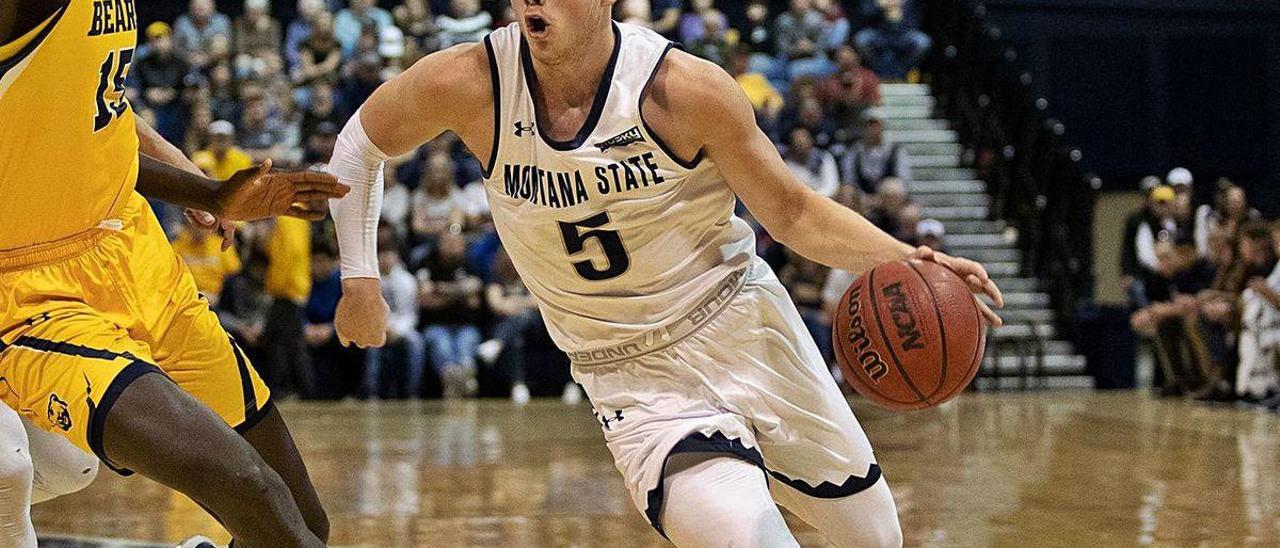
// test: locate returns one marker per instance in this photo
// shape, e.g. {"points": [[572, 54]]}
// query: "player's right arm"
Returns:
{"points": [[449, 90]]}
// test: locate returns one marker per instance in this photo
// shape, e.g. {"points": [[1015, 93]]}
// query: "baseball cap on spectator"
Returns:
{"points": [[158, 29], [222, 127], [1148, 183], [1163, 193], [930, 227], [1179, 176]]}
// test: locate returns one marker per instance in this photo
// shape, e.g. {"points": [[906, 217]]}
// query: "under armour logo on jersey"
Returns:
{"points": [[606, 420], [623, 139], [521, 128]]}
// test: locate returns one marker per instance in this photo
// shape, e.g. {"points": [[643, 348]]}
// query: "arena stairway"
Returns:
{"points": [[1027, 351]]}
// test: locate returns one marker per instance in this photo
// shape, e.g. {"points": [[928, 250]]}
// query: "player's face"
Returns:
{"points": [[560, 30]]}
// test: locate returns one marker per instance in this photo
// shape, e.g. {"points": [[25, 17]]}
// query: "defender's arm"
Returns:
{"points": [[708, 102]]}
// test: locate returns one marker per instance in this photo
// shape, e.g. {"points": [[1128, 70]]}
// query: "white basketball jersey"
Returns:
{"points": [[611, 233]]}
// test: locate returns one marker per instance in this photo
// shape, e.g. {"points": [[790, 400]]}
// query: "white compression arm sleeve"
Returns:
{"points": [[357, 163]]}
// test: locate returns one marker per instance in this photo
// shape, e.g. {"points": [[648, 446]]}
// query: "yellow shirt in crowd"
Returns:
{"points": [[289, 269], [209, 264], [758, 89], [222, 169]]}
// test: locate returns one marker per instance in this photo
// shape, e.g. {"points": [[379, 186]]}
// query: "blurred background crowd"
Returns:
{"points": [[236, 86]]}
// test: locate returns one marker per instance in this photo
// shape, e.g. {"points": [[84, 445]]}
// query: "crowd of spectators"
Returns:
{"points": [[232, 91], [1204, 284]]}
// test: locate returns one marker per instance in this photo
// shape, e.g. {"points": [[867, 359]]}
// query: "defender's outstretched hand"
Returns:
{"points": [[362, 313], [256, 193], [973, 274]]}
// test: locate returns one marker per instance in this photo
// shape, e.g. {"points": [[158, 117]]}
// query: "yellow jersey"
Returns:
{"points": [[68, 143]]}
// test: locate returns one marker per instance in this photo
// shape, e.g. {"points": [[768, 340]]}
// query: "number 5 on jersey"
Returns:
{"points": [[575, 240], [110, 98]]}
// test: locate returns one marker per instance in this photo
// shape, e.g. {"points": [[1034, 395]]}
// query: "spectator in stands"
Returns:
{"points": [[464, 23], [1256, 378], [1172, 323], [695, 22], [800, 32], [196, 31], [932, 233], [760, 36], [415, 20], [765, 99], [713, 45], [665, 16], [892, 42], [1229, 210], [404, 352], [515, 313], [263, 136], [289, 283], [222, 159], [849, 93], [1145, 265], [197, 134], [436, 205], [1220, 306], [256, 37], [299, 30], [322, 109], [223, 94], [242, 306], [1132, 275], [162, 78], [636, 12], [350, 23], [835, 26], [804, 280], [812, 165], [336, 370], [885, 208], [319, 147], [210, 265], [871, 160], [450, 299], [397, 199], [362, 72], [810, 115]]}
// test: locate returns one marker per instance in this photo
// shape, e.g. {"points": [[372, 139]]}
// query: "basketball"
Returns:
{"points": [[908, 335]]}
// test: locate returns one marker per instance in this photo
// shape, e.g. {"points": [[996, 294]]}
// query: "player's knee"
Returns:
{"points": [[70, 480], [15, 471]]}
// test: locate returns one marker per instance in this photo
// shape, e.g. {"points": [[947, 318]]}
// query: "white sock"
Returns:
{"points": [[715, 500]]}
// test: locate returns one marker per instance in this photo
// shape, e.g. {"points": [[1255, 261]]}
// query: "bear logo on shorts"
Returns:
{"points": [[58, 413]]}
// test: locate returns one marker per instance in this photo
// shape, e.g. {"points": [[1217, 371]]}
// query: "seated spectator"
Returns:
{"points": [[813, 166], [362, 71], [636, 12], [1260, 334], [464, 23], [450, 299], [222, 159], [765, 99], [419, 26], [290, 280], [931, 233], [397, 199], [885, 208], [322, 109], [810, 115], [320, 56], [256, 37], [299, 30], [1230, 210], [404, 351], [892, 42], [871, 160], [223, 93], [800, 32], [1136, 272], [1220, 305], [319, 146], [336, 370], [760, 37], [196, 31], [848, 93], [515, 313], [835, 26], [693, 24], [437, 205], [209, 263], [665, 16], [1172, 323], [804, 280], [162, 78], [713, 44], [263, 136], [242, 306], [350, 23], [197, 134]]}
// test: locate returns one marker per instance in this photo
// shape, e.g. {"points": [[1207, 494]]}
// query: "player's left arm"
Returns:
{"points": [[152, 144], [698, 97]]}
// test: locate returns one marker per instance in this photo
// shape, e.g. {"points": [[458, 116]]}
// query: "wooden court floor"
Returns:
{"points": [[1070, 469]]}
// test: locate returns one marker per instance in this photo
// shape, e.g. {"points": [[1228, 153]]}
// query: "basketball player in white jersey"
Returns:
{"points": [[612, 162]]}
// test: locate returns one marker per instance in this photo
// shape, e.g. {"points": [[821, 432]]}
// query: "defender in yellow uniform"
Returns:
{"points": [[91, 293]]}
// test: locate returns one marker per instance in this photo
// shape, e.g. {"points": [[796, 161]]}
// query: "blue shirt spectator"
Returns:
{"points": [[299, 30], [195, 31]]}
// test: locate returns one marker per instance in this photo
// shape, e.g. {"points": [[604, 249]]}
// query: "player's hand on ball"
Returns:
{"points": [[361, 319], [256, 193], [973, 274]]}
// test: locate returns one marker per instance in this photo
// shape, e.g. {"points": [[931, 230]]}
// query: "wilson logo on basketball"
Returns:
{"points": [[903, 318], [869, 359]]}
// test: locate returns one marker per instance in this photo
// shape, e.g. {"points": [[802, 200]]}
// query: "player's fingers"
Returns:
{"points": [[986, 287], [992, 318], [304, 213], [315, 195]]}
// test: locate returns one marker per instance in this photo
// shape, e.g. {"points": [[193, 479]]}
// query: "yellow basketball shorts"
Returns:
{"points": [[83, 317]]}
